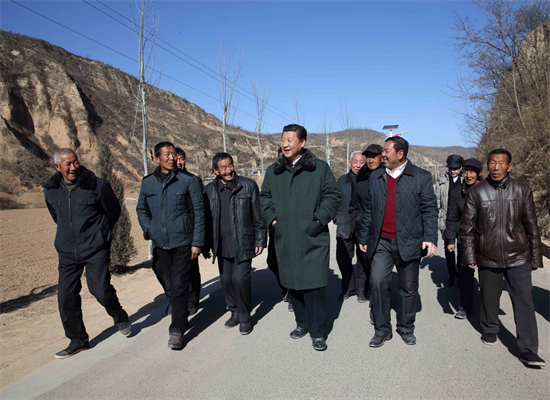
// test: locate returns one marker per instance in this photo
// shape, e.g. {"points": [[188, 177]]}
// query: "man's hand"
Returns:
{"points": [[273, 222], [195, 251], [363, 248], [206, 255], [146, 236], [431, 248], [472, 266], [451, 247], [258, 250]]}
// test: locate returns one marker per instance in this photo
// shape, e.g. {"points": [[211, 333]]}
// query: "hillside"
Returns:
{"points": [[50, 98]]}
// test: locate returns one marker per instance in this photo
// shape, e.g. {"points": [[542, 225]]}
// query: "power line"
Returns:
{"points": [[128, 57]]}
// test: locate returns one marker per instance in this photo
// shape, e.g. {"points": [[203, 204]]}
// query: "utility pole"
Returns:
{"points": [[142, 94]]}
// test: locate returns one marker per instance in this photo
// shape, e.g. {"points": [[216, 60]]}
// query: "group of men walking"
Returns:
{"points": [[385, 209]]}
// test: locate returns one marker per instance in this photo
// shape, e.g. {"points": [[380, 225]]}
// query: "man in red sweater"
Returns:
{"points": [[399, 225]]}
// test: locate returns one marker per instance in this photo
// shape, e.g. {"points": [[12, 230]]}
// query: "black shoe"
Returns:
{"points": [[319, 344], [175, 342], [378, 341], [298, 333], [71, 351], [451, 281], [290, 307], [125, 328], [461, 314], [169, 309], [489, 338], [233, 321], [192, 310], [408, 338], [245, 328], [532, 360], [361, 298]]}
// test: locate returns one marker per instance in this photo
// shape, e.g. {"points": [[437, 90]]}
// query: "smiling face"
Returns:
{"points": [[373, 161], [167, 159], [69, 167], [499, 166], [391, 158], [180, 161], [225, 170], [292, 146], [454, 172], [357, 161], [470, 175]]}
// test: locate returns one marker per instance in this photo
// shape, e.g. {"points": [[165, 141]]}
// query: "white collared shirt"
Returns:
{"points": [[295, 161], [397, 172]]}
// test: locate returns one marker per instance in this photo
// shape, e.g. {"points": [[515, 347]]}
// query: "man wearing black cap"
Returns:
{"points": [[444, 186], [471, 174], [373, 156], [346, 244]]}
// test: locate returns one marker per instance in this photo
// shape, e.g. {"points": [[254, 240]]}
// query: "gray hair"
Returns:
{"points": [[61, 152], [354, 153]]}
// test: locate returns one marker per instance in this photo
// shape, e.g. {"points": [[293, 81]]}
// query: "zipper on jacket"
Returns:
{"points": [[71, 223], [501, 229]]}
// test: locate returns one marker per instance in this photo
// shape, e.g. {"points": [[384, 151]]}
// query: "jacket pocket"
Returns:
{"points": [[87, 206]]}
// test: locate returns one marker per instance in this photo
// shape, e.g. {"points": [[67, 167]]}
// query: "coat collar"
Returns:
{"points": [[307, 162]]}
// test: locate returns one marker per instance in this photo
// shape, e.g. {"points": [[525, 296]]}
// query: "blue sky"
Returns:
{"points": [[390, 62]]}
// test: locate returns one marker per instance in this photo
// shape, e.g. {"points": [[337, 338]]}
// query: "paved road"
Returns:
{"points": [[449, 360]]}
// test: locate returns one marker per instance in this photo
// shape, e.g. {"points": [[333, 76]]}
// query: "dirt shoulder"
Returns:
{"points": [[30, 328]]}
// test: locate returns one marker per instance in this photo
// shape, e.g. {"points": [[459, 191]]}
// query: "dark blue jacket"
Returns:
{"points": [[415, 211], [84, 216], [171, 212], [345, 223]]}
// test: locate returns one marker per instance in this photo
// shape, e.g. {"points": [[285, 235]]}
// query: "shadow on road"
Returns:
{"points": [[36, 294]]}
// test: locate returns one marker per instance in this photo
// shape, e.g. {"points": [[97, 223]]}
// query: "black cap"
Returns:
{"points": [[373, 148], [454, 161], [475, 163]]}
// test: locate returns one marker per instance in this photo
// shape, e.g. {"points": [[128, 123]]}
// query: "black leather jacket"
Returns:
{"points": [[499, 227], [249, 229]]}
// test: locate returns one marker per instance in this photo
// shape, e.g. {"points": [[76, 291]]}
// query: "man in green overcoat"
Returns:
{"points": [[299, 198]]}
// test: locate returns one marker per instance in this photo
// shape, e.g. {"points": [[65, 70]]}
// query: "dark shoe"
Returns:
{"points": [[361, 298], [408, 338], [451, 281], [489, 338], [319, 344], [125, 328], [378, 341], [532, 360], [461, 314], [245, 328], [71, 351], [298, 333], [175, 342], [371, 317], [192, 310], [233, 321], [169, 309], [290, 307]]}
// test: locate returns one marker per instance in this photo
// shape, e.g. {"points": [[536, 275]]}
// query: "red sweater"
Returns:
{"points": [[388, 226]]}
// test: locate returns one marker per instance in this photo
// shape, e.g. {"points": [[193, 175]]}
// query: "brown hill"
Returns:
{"points": [[51, 98]]}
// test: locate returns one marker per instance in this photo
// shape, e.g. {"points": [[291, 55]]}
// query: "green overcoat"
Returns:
{"points": [[303, 202]]}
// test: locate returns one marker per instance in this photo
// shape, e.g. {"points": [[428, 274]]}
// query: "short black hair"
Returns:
{"points": [[220, 156], [301, 132], [399, 144], [180, 151], [161, 145], [500, 151]]}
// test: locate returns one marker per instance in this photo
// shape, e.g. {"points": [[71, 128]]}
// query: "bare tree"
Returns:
{"points": [[260, 100], [229, 70], [325, 130], [345, 118], [508, 88], [297, 111]]}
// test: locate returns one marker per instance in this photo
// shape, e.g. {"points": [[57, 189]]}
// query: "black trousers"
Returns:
{"points": [[351, 281], [98, 279], [194, 284], [272, 262], [450, 257], [173, 268], [465, 284], [310, 310], [519, 287], [236, 283], [385, 257]]}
